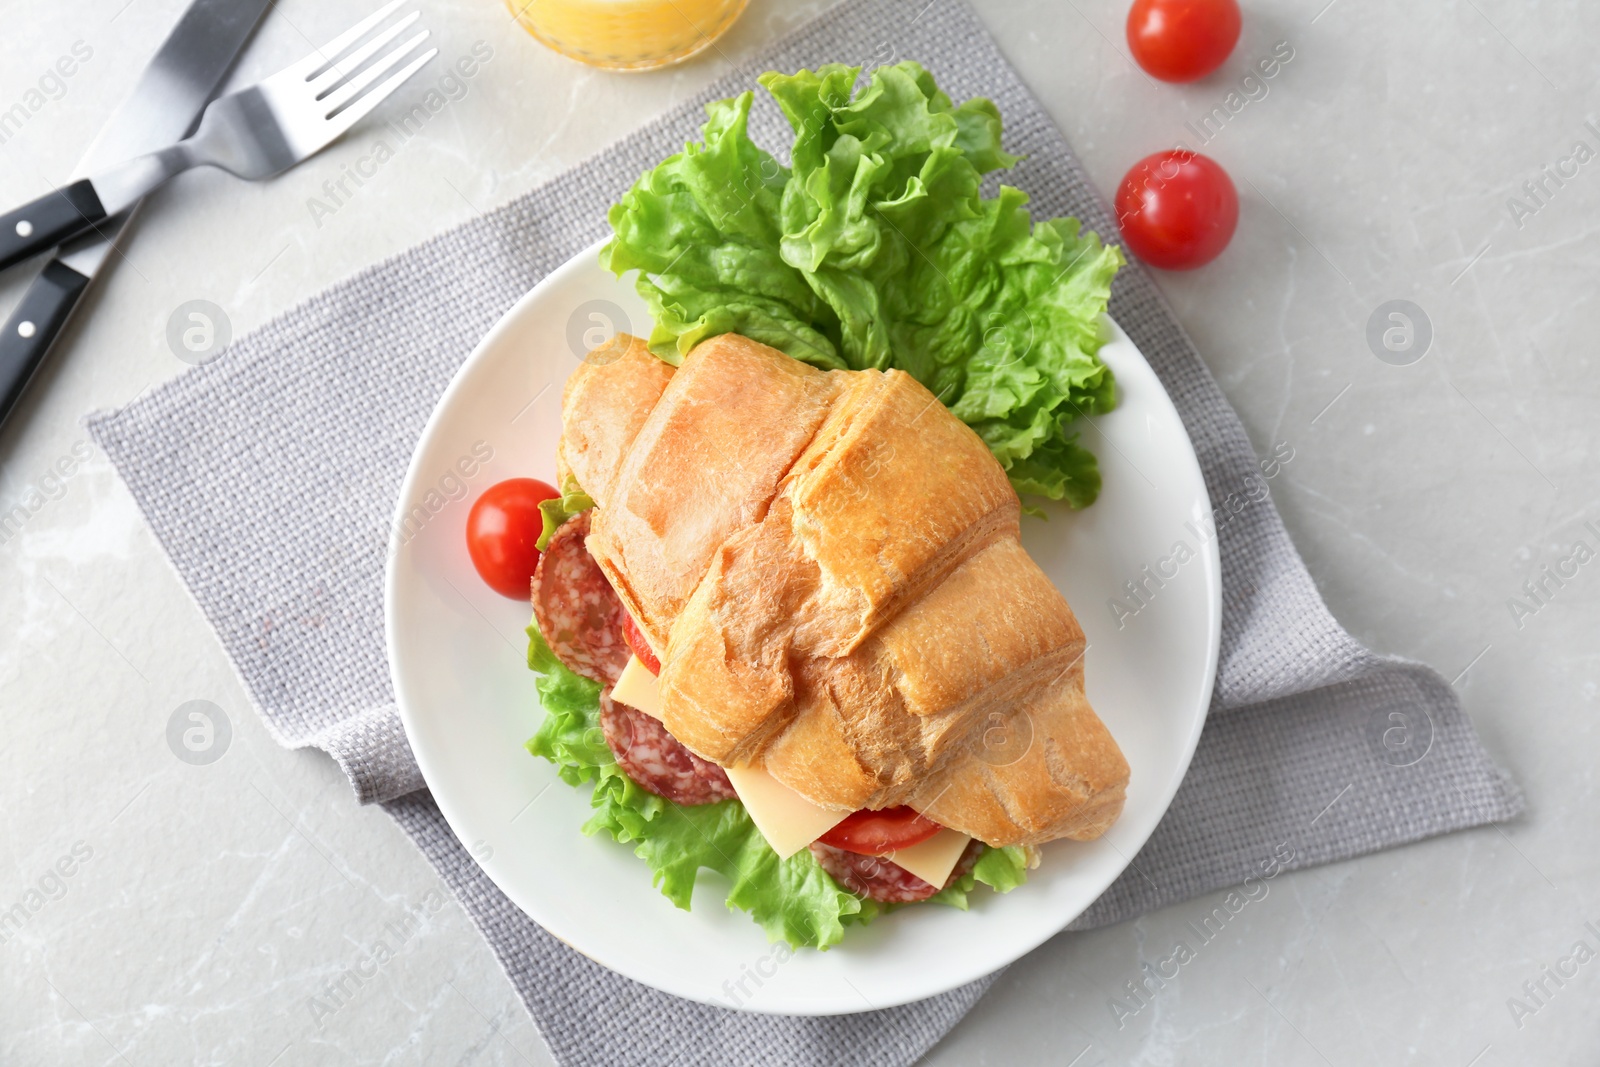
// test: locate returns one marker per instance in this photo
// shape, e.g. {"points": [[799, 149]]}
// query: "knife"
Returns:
{"points": [[185, 74]]}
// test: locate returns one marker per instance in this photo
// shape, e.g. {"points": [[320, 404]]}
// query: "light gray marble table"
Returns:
{"points": [[208, 907]]}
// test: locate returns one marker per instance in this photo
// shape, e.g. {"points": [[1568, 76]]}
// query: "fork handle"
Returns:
{"points": [[47, 221], [26, 338]]}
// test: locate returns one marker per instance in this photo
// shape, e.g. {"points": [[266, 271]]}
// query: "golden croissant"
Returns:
{"points": [[828, 564]]}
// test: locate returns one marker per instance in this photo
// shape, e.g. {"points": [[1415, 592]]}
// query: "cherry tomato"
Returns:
{"points": [[641, 648], [1177, 209], [502, 529], [1182, 40], [878, 833]]}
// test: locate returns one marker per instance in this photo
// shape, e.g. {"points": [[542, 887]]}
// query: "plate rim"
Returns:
{"points": [[1211, 568]]}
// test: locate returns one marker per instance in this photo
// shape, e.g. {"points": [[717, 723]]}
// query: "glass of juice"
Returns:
{"points": [[626, 34]]}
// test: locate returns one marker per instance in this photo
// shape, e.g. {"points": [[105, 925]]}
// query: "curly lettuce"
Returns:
{"points": [[558, 509], [793, 899], [876, 248]]}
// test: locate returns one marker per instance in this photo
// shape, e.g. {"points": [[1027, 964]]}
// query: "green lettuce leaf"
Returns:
{"points": [[876, 248], [793, 899], [558, 509], [1001, 869]]}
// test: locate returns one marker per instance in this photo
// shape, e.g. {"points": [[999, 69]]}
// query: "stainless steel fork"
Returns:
{"points": [[254, 133]]}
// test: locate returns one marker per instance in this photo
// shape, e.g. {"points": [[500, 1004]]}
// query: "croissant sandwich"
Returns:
{"points": [[825, 569], [784, 625]]}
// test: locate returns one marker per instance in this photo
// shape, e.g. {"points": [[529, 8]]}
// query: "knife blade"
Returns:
{"points": [[165, 103]]}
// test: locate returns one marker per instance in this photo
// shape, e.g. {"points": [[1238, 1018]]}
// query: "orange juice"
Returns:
{"points": [[626, 34]]}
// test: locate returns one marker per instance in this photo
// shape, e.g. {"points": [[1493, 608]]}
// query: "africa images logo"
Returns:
{"points": [[1542, 588], [1553, 177], [1138, 994], [1144, 586]]}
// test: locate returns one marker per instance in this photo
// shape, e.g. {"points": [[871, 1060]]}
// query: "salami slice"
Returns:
{"points": [[879, 878], [577, 610], [656, 760]]}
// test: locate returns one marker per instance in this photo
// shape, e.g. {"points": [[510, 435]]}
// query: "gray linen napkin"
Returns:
{"points": [[1313, 741]]}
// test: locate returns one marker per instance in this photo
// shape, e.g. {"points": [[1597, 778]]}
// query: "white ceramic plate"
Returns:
{"points": [[456, 655]]}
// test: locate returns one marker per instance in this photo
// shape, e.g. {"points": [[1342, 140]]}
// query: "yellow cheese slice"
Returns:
{"points": [[638, 688], [786, 819], [933, 859]]}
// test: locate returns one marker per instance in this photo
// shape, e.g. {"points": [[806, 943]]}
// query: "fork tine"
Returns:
{"points": [[338, 97], [358, 110], [324, 83], [325, 55]]}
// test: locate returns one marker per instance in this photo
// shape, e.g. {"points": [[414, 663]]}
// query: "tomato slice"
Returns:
{"points": [[641, 648], [502, 530], [878, 833]]}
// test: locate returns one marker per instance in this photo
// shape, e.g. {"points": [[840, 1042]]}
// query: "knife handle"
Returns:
{"points": [[47, 221], [33, 327]]}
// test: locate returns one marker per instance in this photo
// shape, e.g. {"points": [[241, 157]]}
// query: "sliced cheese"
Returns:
{"points": [[933, 859], [786, 819], [638, 688]]}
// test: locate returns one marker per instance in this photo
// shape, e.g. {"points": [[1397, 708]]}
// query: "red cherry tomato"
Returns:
{"points": [[1177, 209], [878, 833], [641, 648], [1182, 40], [502, 529]]}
